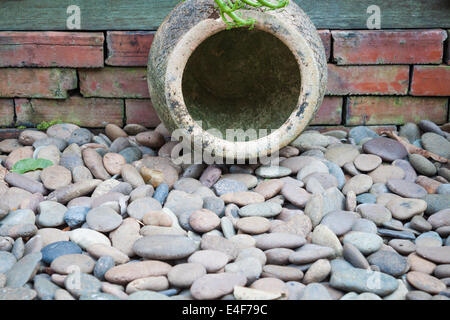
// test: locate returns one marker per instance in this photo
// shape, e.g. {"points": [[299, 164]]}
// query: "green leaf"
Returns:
{"points": [[29, 164]]}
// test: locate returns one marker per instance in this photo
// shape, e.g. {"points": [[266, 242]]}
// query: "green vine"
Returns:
{"points": [[230, 8]]}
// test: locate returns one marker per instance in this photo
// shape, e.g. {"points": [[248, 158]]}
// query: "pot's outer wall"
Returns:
{"points": [[189, 13]]}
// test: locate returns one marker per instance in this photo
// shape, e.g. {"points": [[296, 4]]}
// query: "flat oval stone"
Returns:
{"points": [[284, 273], [354, 256], [80, 284], [180, 201], [425, 282], [242, 198], [113, 162], [214, 242], [103, 219], [360, 280], [436, 202], [313, 167], [436, 144], [367, 243], [386, 172], [422, 165], [204, 220], [55, 177], [60, 248], [212, 260], [440, 218], [295, 194], [359, 184], [87, 237], [309, 253], [375, 212], [224, 186], [367, 162], [139, 207], [17, 294], [249, 180], [184, 274], [439, 255], [342, 154], [213, 286], [164, 247], [20, 216], [73, 262], [99, 250], [125, 273], [322, 235], [388, 149], [279, 240], [51, 214], [404, 209], [253, 225], [405, 188], [269, 188], [7, 260], [340, 222], [389, 262], [264, 209], [22, 271], [272, 172]]}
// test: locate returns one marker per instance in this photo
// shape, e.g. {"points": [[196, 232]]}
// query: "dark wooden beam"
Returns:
{"points": [[148, 14]]}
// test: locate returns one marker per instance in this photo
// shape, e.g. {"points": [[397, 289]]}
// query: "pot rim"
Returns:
{"points": [[308, 101]]}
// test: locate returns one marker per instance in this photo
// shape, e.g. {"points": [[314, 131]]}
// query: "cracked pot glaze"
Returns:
{"points": [[204, 79]]}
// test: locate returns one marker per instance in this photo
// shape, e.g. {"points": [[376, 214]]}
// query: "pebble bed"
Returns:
{"points": [[342, 216]]}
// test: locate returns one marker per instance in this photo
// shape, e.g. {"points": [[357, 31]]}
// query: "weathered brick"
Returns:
{"points": [[141, 111], [91, 112], [431, 81], [114, 82], [51, 49], [6, 112], [128, 48], [395, 110], [325, 35], [330, 112], [388, 47], [37, 83], [377, 129], [376, 80], [447, 55]]}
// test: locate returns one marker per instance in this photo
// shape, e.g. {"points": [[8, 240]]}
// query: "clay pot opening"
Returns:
{"points": [[241, 79], [202, 76]]}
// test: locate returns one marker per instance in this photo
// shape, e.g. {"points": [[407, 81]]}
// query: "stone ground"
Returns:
{"points": [[343, 216]]}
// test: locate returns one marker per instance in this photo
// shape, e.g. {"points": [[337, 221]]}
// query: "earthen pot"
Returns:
{"points": [[208, 81]]}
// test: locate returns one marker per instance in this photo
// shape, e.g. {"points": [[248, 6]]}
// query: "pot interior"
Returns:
{"points": [[241, 79]]}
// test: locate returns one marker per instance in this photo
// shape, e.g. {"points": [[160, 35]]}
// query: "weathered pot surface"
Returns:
{"points": [[208, 82]]}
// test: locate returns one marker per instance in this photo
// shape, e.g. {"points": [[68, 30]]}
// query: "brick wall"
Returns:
{"points": [[379, 77]]}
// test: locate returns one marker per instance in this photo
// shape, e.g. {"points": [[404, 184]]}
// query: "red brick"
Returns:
{"points": [[325, 35], [330, 112], [377, 129], [141, 111], [388, 47], [37, 83], [431, 81], [6, 112], [114, 82], [377, 80], [51, 49], [128, 48], [93, 112], [395, 110], [447, 58]]}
